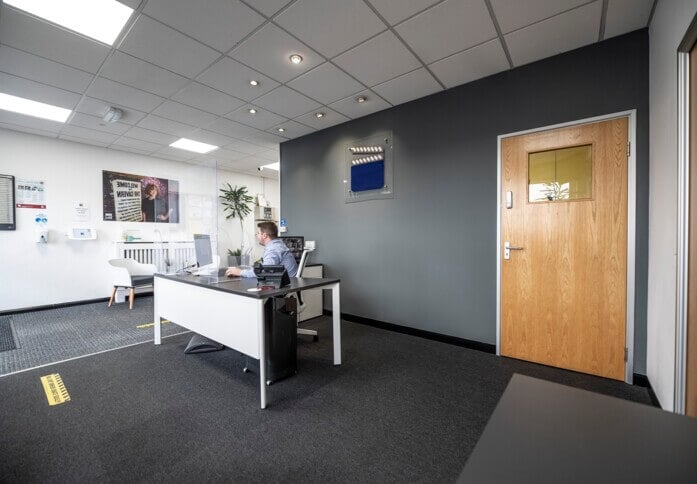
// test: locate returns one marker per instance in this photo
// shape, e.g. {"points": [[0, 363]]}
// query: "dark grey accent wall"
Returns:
{"points": [[427, 258]]}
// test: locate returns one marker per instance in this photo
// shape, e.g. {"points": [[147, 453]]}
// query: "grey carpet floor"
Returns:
{"points": [[51, 335], [399, 409]]}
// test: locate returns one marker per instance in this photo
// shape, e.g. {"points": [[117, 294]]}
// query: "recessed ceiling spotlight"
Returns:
{"points": [[281, 130], [319, 115], [252, 111], [361, 99], [254, 82], [296, 59]]}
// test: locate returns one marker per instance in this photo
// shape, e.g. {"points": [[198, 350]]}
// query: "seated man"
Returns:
{"points": [[275, 252]]}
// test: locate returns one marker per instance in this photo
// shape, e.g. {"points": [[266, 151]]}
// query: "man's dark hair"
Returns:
{"points": [[268, 228]]}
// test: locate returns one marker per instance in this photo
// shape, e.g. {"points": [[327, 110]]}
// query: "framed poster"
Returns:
{"points": [[136, 198], [7, 202]]}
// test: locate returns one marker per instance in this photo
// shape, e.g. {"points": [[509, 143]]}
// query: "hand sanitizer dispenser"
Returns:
{"points": [[42, 235]]}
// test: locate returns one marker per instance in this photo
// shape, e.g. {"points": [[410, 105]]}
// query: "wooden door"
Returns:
{"points": [[691, 355], [563, 294]]}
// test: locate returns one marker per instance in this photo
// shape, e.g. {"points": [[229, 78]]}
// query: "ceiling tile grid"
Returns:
{"points": [[183, 68]]}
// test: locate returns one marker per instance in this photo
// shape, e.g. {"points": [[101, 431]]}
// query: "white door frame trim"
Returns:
{"points": [[631, 226]]}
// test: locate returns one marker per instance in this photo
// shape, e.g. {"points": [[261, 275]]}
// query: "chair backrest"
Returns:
{"points": [[303, 261]]}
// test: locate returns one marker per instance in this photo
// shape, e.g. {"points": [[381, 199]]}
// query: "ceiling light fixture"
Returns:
{"points": [[296, 59], [102, 20], [252, 111], [281, 130], [271, 166], [33, 108], [191, 145], [112, 115], [254, 82], [361, 99], [319, 115]]}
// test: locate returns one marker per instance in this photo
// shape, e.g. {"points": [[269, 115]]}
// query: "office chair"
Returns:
{"points": [[301, 305], [129, 273]]}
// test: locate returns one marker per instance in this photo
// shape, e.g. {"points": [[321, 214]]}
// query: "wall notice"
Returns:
{"points": [[31, 194]]}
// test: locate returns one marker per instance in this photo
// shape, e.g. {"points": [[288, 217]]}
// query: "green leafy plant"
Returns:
{"points": [[234, 253], [236, 204]]}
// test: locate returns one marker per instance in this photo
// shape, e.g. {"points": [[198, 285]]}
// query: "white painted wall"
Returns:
{"points": [[669, 25], [63, 270]]}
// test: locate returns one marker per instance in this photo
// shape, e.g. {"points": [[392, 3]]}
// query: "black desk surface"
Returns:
{"points": [[241, 285], [545, 432]]}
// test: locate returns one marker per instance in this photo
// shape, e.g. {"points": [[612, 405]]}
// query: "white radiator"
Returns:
{"points": [[167, 256]]}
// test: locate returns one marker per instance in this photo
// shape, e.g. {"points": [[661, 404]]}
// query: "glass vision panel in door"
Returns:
{"points": [[563, 174]]}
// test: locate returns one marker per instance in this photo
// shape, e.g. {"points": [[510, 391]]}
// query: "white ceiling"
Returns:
{"points": [[181, 68]]}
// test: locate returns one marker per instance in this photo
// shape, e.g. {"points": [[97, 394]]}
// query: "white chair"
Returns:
{"points": [[301, 305], [129, 273]]}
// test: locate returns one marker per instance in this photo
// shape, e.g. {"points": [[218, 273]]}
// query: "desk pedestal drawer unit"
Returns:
{"points": [[232, 313]]}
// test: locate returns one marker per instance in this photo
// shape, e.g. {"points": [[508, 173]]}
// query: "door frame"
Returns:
{"points": [[631, 225]]}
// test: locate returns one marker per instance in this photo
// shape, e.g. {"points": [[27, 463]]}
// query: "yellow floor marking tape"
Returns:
{"points": [[55, 389], [150, 325]]}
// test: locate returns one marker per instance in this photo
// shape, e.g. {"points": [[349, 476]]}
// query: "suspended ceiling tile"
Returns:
{"points": [[269, 50], [330, 118], [227, 155], [184, 114], [262, 119], [98, 124], [24, 129], [160, 45], [24, 32], [265, 139], [143, 134], [326, 84], [36, 91], [90, 134], [331, 27], [128, 149], [124, 95], [232, 129], [378, 60], [174, 154], [287, 102], [230, 76], [143, 75], [211, 138], [35, 68], [269, 7], [414, 85], [84, 141], [29, 122], [448, 28], [475, 63], [208, 99], [166, 126], [395, 11], [217, 23], [140, 145], [515, 15], [97, 107], [244, 147], [292, 129], [269, 155], [131, 3], [558, 34], [353, 109], [626, 15]]}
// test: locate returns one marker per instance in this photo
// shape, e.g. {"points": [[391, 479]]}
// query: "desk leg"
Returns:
{"points": [[336, 323], [157, 326], [262, 351]]}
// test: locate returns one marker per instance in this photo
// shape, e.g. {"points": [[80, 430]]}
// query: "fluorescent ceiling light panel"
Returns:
{"points": [[272, 166], [33, 108], [102, 20], [191, 145]]}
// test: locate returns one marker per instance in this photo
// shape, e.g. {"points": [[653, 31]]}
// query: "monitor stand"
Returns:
{"points": [[201, 344]]}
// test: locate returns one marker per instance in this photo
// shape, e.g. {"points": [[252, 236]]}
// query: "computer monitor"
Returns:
{"points": [[204, 252], [295, 244]]}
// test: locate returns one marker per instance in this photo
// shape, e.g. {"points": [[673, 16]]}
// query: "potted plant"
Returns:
{"points": [[236, 204]]}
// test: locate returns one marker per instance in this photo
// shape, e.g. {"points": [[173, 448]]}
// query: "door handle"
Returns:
{"points": [[507, 248]]}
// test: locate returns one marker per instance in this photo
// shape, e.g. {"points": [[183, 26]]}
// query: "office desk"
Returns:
{"points": [[228, 313], [545, 432]]}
